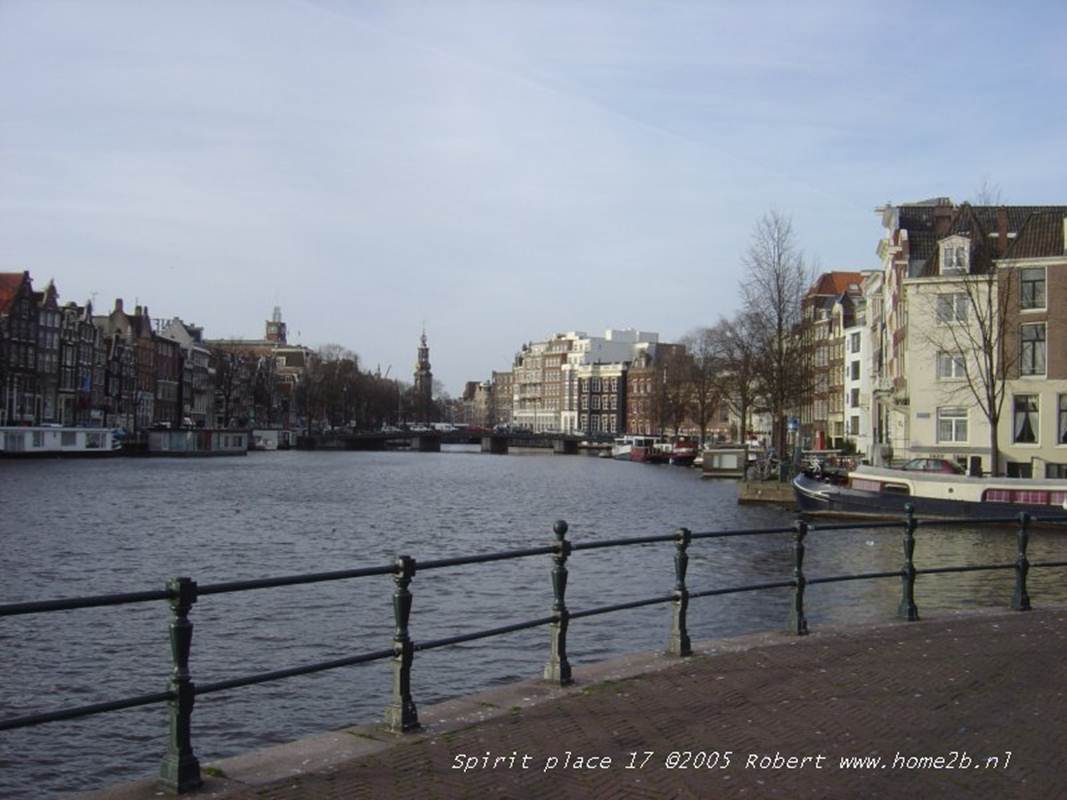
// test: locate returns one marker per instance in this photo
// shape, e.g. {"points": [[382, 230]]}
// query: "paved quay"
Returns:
{"points": [[960, 705]]}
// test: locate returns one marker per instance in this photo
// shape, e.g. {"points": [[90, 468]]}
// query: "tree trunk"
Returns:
{"points": [[994, 450]]}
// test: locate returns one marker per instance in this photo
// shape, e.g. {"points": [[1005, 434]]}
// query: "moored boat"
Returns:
{"points": [[877, 492], [621, 447], [198, 442], [45, 441], [683, 452], [649, 450]]}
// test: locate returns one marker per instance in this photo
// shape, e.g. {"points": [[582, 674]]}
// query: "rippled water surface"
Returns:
{"points": [[72, 528]]}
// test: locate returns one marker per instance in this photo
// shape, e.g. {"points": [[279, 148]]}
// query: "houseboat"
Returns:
{"points": [[724, 462], [884, 493], [198, 442], [270, 439], [650, 450], [44, 441]]}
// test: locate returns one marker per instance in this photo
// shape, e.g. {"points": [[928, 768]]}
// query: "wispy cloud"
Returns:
{"points": [[502, 170]]}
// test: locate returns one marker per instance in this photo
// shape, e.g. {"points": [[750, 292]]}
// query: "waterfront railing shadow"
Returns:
{"points": [[180, 771]]}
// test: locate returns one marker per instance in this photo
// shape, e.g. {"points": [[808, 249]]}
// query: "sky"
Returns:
{"points": [[496, 171]]}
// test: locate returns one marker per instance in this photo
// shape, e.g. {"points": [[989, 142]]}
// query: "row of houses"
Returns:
{"points": [[956, 347], [65, 365], [578, 383]]}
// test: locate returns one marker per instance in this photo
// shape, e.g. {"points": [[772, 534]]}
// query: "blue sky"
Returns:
{"points": [[500, 170]]}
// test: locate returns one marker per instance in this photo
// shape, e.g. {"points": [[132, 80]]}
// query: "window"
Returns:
{"points": [[1032, 287], [952, 424], [953, 258], [855, 342], [1020, 470], [951, 308], [596, 384], [1025, 419], [1063, 419], [951, 365], [854, 399], [854, 370], [1056, 471], [596, 402], [854, 426], [1032, 355]]}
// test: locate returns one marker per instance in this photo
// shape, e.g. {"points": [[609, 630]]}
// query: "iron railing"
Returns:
{"points": [[180, 770]]}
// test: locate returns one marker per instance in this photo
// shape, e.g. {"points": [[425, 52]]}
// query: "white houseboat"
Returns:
{"points": [[44, 440], [198, 442]]}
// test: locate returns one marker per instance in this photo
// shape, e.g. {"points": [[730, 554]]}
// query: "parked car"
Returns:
{"points": [[933, 465]]}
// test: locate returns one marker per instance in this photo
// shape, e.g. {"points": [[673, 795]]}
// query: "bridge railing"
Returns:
{"points": [[180, 770]]}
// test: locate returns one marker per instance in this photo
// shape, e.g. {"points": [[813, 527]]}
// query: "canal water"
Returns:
{"points": [[70, 528]]}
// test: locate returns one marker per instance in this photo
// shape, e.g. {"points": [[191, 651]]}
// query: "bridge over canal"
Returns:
{"points": [[431, 441]]}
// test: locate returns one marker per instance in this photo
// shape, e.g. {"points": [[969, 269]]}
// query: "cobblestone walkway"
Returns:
{"points": [[984, 693]]}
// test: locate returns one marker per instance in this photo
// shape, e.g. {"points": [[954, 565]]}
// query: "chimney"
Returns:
{"points": [[137, 310], [118, 305], [942, 216], [1002, 230]]}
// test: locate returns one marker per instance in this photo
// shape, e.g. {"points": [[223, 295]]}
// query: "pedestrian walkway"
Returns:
{"points": [[966, 705]]}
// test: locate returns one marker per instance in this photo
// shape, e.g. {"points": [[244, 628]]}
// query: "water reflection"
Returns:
{"points": [[95, 527]]}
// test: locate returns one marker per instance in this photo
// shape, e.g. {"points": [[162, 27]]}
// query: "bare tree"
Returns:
{"points": [[988, 193], [232, 384], [972, 340], [737, 346], [674, 397], [705, 388], [775, 286]]}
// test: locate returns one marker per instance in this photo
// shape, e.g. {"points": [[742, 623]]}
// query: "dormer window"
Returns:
{"points": [[955, 255]]}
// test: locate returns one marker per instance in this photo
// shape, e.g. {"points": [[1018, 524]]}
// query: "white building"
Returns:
{"points": [[545, 383], [858, 382]]}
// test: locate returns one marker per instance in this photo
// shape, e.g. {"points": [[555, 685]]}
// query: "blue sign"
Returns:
{"points": [[793, 424]]}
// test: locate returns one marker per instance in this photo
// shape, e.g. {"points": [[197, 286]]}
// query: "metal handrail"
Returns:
{"points": [[181, 770]]}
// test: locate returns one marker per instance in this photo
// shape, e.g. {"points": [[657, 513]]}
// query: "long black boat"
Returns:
{"points": [[883, 493]]}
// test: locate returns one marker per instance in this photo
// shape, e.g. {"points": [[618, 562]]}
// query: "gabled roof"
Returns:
{"points": [[835, 283], [1037, 224], [1041, 237], [921, 221], [10, 284]]}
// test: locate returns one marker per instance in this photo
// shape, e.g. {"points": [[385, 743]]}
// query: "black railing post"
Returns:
{"points": [[679, 644], [908, 609], [401, 715], [180, 771], [1020, 598], [558, 668], [798, 623]]}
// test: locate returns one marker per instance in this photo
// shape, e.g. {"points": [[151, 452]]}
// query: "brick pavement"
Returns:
{"points": [[978, 684]]}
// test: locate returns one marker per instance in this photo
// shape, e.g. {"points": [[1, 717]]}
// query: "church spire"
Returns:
{"points": [[423, 382]]}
